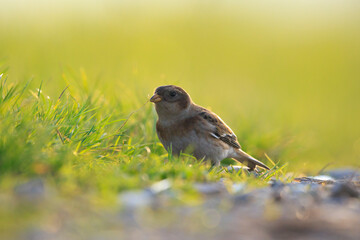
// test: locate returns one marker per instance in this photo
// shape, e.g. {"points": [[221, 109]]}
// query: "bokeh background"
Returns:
{"points": [[285, 75]]}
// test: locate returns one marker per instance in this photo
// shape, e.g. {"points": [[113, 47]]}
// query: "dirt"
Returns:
{"points": [[322, 207]]}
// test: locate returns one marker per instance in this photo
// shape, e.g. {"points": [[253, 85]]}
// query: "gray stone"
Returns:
{"points": [[32, 189], [345, 174], [210, 188], [135, 198], [160, 186], [344, 190]]}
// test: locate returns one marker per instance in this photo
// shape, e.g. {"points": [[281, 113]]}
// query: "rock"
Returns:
{"points": [[160, 186], [277, 187], [344, 190], [276, 184], [33, 189], [242, 199], [210, 188], [37, 234], [320, 179], [345, 174], [238, 187], [136, 198]]}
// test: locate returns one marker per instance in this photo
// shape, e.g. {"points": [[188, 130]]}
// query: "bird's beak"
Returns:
{"points": [[155, 98]]}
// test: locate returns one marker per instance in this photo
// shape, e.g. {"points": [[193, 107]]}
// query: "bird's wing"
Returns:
{"points": [[220, 130]]}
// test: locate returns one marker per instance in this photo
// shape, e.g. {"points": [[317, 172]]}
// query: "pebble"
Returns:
{"points": [[344, 190], [32, 189], [345, 174], [135, 199], [210, 188], [160, 186]]}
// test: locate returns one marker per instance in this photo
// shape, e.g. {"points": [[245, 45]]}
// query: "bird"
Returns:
{"points": [[183, 125]]}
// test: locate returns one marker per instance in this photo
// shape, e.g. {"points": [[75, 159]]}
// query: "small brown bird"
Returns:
{"points": [[183, 125]]}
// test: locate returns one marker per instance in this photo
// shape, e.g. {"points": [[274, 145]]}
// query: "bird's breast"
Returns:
{"points": [[179, 135]]}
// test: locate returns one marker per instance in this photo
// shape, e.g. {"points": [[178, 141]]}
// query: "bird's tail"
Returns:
{"points": [[248, 160]]}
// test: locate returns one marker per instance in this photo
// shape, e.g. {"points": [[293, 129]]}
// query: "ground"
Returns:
{"points": [[323, 207]]}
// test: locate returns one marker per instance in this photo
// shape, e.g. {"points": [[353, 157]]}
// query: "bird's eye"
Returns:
{"points": [[172, 93]]}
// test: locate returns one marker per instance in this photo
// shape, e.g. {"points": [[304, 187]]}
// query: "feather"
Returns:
{"points": [[221, 130], [251, 162]]}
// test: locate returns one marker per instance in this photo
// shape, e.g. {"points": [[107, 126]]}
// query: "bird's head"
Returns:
{"points": [[170, 101]]}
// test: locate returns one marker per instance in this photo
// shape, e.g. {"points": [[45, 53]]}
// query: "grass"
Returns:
{"points": [[80, 143]]}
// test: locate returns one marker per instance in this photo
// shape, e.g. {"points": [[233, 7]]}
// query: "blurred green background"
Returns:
{"points": [[284, 75]]}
